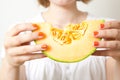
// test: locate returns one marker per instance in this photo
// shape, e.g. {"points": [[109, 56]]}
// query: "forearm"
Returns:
{"points": [[8, 72]]}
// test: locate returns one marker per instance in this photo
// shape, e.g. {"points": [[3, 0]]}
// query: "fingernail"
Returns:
{"points": [[41, 34], [44, 46], [96, 33], [96, 43], [102, 26], [36, 27]]}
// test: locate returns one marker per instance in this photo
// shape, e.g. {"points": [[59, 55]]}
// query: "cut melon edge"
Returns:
{"points": [[78, 60]]}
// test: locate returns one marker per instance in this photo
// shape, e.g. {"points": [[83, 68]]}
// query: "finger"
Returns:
{"points": [[31, 57], [112, 53], [108, 34], [20, 28], [23, 38], [29, 49], [107, 44], [108, 39], [27, 57], [112, 24]]}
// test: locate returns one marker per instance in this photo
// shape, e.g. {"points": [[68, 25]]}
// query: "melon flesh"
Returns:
{"points": [[75, 44]]}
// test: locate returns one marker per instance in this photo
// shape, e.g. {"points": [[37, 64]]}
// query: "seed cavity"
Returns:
{"points": [[70, 33]]}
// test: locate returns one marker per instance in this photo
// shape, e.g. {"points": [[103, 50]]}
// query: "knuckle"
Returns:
{"points": [[28, 58], [116, 45], [105, 44], [30, 36], [23, 38], [17, 40], [25, 50], [106, 33], [20, 27], [6, 45], [117, 33], [33, 48], [38, 47], [10, 52], [101, 32], [28, 49], [7, 42], [27, 37]]}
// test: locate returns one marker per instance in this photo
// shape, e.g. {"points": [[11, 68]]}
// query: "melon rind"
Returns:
{"points": [[92, 51]]}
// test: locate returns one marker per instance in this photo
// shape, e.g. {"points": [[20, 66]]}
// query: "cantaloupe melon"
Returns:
{"points": [[71, 44]]}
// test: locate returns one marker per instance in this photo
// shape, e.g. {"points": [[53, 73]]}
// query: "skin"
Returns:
{"points": [[20, 51], [112, 43]]}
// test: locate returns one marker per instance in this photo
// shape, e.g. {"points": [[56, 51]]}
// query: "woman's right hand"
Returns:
{"points": [[17, 46]]}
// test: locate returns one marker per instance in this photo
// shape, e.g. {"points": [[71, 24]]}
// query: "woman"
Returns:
{"points": [[60, 13]]}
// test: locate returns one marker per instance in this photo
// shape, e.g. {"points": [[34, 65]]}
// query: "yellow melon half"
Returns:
{"points": [[71, 44]]}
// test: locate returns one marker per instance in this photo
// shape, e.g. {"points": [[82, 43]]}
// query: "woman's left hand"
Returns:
{"points": [[110, 32]]}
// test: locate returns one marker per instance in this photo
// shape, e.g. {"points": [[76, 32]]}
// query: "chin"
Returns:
{"points": [[62, 2]]}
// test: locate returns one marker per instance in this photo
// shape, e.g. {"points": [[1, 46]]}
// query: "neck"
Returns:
{"points": [[62, 15]]}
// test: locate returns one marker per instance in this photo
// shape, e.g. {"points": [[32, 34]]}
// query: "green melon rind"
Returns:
{"points": [[91, 52]]}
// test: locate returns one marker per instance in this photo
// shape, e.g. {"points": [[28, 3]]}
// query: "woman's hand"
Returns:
{"points": [[17, 45], [110, 32]]}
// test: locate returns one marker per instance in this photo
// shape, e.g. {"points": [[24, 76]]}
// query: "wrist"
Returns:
{"points": [[8, 71], [8, 65]]}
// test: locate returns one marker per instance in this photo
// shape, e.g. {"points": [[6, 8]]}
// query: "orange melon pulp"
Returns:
{"points": [[71, 44]]}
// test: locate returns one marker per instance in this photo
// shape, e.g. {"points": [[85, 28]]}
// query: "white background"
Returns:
{"points": [[12, 11]]}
